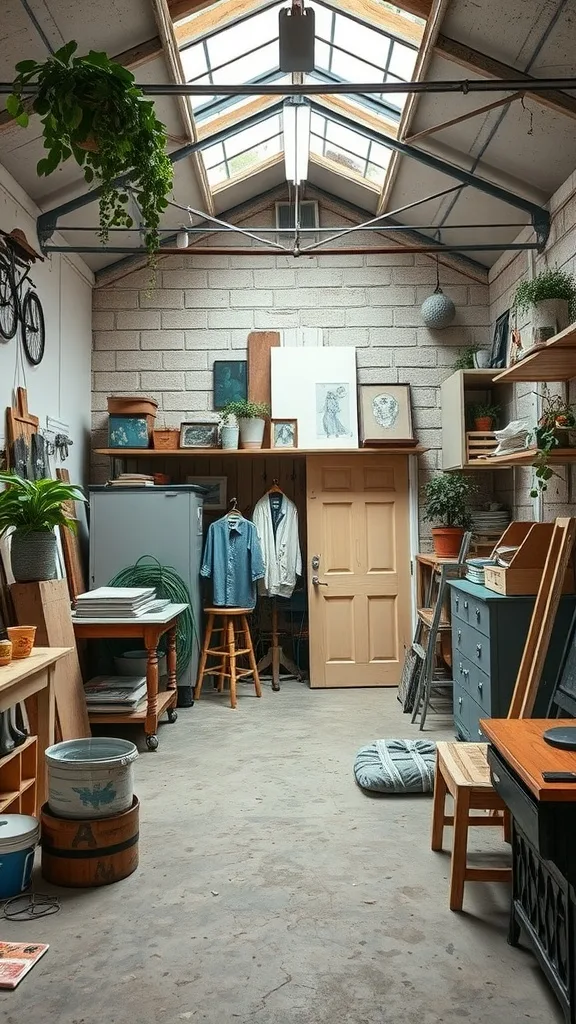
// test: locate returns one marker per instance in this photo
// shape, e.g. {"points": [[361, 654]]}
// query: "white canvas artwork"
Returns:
{"points": [[317, 386]]}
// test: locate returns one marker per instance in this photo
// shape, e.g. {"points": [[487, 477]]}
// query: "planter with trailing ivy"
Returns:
{"points": [[92, 112], [556, 429], [550, 296], [446, 503]]}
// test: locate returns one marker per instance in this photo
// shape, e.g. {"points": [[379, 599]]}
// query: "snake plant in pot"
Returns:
{"points": [[446, 498], [91, 111], [31, 509]]}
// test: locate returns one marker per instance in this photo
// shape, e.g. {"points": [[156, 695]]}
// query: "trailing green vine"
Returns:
{"points": [[91, 110]]}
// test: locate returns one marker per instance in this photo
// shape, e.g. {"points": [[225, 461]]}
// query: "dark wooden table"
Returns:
{"points": [[149, 629], [543, 845]]}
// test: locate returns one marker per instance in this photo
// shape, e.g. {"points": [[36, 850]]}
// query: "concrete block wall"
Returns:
{"points": [[164, 341], [505, 275]]}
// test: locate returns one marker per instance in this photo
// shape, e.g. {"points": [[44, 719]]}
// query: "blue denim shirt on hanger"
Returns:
{"points": [[233, 561]]}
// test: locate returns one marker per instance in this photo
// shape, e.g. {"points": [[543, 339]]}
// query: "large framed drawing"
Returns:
{"points": [[317, 387], [385, 414]]}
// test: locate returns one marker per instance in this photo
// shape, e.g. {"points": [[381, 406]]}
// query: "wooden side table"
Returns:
{"points": [[149, 629], [23, 772]]}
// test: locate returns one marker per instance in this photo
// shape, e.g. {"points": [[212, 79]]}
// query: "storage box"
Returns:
{"points": [[166, 439], [524, 573], [132, 405]]}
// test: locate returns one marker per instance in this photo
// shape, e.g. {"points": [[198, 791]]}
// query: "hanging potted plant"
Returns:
{"points": [[446, 499], [91, 111], [550, 295], [556, 429], [229, 429], [31, 509], [485, 416], [251, 418]]}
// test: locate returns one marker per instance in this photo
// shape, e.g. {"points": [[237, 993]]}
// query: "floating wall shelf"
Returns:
{"points": [[553, 361]]}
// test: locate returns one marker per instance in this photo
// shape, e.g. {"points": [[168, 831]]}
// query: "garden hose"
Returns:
{"points": [[148, 572]]}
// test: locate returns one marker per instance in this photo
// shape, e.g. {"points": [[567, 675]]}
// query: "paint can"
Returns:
{"points": [[86, 853], [18, 840], [90, 778]]}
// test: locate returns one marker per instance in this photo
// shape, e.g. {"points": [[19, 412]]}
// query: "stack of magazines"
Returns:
{"points": [[106, 694], [116, 603], [475, 569]]}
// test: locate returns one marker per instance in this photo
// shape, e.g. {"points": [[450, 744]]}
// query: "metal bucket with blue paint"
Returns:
{"points": [[18, 840], [91, 778]]}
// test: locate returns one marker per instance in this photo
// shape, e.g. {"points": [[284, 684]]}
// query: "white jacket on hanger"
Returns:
{"points": [[281, 553]]}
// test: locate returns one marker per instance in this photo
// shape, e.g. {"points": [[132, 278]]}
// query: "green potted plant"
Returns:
{"points": [[555, 430], [91, 110], [485, 416], [550, 295], [446, 498], [31, 509], [251, 418], [229, 429], [465, 358]]}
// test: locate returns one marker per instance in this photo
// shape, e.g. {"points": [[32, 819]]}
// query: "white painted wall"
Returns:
{"points": [[60, 385]]}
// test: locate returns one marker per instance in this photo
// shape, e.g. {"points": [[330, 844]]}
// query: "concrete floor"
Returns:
{"points": [[272, 890]]}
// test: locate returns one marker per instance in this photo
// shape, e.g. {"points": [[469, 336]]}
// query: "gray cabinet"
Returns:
{"points": [[488, 636]]}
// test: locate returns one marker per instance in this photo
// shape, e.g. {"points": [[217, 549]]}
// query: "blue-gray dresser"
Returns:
{"points": [[488, 636]]}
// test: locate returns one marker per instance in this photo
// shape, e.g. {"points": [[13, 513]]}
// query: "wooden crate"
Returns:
{"points": [[524, 573], [480, 444], [166, 438]]}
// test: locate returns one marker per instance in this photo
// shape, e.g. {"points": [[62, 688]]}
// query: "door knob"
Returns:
{"points": [[317, 582]]}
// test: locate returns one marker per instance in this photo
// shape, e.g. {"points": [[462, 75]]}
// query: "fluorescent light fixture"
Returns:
{"points": [[182, 239], [296, 122]]}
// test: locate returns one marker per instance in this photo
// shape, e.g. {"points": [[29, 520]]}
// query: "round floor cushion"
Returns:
{"points": [[396, 766]]}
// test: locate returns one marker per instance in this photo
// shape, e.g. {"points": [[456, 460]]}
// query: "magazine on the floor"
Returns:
{"points": [[16, 959]]}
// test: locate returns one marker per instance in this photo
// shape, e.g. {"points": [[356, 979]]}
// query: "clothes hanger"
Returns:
{"points": [[275, 489], [234, 511]]}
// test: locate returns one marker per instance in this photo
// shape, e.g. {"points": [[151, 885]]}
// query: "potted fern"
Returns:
{"points": [[550, 295], [92, 112], [31, 509], [446, 498]]}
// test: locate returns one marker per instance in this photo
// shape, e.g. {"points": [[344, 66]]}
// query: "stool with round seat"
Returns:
{"points": [[232, 625]]}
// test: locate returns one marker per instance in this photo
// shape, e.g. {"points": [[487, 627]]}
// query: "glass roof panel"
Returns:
{"points": [[402, 61], [251, 66]]}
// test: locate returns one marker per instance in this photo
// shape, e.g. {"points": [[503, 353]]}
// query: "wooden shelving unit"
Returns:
{"points": [[18, 773], [553, 361], [461, 389], [223, 453]]}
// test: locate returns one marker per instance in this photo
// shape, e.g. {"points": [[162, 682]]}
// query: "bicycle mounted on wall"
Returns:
{"points": [[19, 302]]}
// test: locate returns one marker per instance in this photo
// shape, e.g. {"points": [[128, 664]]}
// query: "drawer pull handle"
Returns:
{"points": [[466, 604], [495, 777], [466, 672], [477, 613], [480, 687], [460, 702], [478, 650], [480, 732], [456, 601], [461, 668], [459, 635]]}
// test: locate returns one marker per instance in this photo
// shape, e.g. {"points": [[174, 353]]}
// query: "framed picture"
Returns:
{"points": [[385, 414], [498, 352], [318, 386], [215, 488], [283, 433], [199, 435], [230, 381]]}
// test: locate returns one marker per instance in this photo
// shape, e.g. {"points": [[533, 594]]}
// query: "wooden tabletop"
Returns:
{"points": [[171, 611], [22, 668], [519, 742]]}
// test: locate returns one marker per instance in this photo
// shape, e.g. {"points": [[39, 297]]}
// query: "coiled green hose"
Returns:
{"points": [[148, 572]]}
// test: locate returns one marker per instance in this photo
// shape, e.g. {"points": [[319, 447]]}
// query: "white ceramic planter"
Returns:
{"points": [[230, 434], [251, 432], [548, 318]]}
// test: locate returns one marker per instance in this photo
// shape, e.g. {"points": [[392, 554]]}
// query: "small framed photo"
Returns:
{"points": [[385, 415], [283, 433], [199, 435], [215, 488], [230, 381]]}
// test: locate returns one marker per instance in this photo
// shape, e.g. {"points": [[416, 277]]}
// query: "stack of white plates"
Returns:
{"points": [[490, 522], [475, 569]]}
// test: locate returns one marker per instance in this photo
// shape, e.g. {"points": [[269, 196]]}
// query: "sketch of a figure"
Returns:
{"points": [[332, 410], [385, 409]]}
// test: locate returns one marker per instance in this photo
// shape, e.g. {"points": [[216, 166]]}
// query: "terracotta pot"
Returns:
{"points": [[5, 652], [447, 541], [22, 638], [483, 423]]}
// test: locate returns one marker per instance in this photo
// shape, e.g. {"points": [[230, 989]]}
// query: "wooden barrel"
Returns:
{"points": [[86, 853]]}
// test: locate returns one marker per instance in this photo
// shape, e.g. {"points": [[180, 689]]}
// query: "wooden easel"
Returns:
{"points": [[275, 656]]}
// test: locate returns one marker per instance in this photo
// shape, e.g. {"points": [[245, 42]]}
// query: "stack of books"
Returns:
{"points": [[132, 480], [475, 569], [116, 603], [106, 694]]}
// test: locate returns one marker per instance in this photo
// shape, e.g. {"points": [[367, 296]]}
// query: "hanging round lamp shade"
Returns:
{"points": [[438, 310]]}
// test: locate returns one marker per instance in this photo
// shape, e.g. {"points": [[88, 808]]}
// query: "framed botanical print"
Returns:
{"points": [[230, 381], [385, 415]]}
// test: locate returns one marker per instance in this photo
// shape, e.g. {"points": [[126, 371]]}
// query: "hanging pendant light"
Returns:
{"points": [[438, 311]]}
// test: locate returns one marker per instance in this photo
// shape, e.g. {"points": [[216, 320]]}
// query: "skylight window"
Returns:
{"points": [[243, 150], [347, 149]]}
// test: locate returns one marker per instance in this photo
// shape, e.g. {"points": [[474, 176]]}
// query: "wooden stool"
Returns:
{"points": [[233, 624], [462, 770]]}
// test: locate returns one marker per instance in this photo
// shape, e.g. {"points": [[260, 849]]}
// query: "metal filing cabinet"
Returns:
{"points": [[488, 636]]}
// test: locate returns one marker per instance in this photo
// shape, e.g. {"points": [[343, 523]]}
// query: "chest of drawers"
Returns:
{"points": [[488, 636]]}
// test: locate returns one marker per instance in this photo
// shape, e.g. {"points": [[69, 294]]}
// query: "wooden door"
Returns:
{"points": [[359, 608]]}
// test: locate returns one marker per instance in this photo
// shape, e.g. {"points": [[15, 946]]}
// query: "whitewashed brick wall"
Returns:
{"points": [[505, 276], [164, 342]]}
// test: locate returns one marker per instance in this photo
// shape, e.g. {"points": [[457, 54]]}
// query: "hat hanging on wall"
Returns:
{"points": [[438, 311]]}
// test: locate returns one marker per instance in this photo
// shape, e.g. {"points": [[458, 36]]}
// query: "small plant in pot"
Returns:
{"points": [[446, 498], [229, 429], [251, 418], [485, 416], [550, 296], [31, 509], [556, 429]]}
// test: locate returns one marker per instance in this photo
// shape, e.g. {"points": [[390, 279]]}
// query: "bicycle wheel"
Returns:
{"points": [[8, 304], [33, 335]]}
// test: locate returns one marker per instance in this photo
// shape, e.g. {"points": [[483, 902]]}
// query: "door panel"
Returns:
{"points": [[357, 513]]}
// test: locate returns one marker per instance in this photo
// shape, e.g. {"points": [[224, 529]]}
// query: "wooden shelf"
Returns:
{"points": [[117, 717], [559, 457], [553, 361], [219, 453]]}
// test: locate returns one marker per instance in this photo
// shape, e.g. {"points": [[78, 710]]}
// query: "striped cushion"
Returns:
{"points": [[396, 766]]}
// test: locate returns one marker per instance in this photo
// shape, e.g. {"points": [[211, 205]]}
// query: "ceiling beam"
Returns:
{"points": [[409, 140], [489, 67]]}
